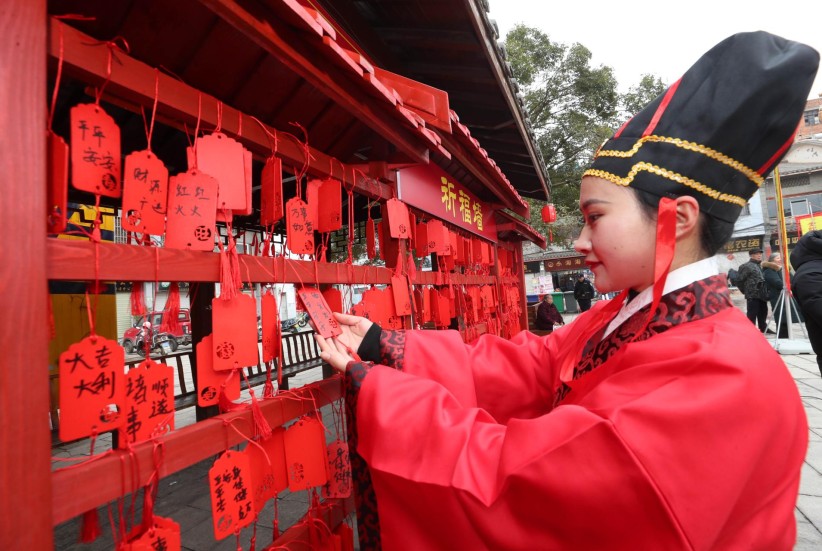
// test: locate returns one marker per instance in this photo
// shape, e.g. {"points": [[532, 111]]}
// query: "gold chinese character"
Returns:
{"points": [[478, 215], [465, 207], [448, 195]]}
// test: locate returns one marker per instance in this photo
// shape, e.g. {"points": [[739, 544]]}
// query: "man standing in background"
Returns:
{"points": [[583, 292], [752, 284]]}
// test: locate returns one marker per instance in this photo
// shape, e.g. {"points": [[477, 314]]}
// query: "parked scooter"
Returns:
{"points": [[296, 323], [161, 342]]}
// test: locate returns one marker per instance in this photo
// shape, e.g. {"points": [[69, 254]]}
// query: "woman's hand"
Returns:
{"points": [[334, 352], [353, 328]]}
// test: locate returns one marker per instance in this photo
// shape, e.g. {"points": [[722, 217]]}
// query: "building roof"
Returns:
{"points": [[454, 46]]}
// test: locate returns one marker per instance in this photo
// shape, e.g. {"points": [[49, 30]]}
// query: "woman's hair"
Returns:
{"points": [[713, 232]]}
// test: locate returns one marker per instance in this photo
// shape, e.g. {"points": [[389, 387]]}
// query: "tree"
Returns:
{"points": [[637, 97], [573, 108]]}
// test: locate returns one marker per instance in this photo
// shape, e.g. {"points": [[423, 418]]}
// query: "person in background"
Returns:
{"points": [[583, 293], [547, 314], [806, 259], [640, 425], [751, 282], [772, 272]]}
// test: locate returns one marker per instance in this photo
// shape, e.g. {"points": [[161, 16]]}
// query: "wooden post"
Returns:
{"points": [[25, 461]]}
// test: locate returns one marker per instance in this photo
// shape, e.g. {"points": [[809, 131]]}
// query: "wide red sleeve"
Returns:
{"points": [[452, 477], [507, 378]]}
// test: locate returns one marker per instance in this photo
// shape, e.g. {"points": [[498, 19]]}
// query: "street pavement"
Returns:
{"points": [[183, 496]]}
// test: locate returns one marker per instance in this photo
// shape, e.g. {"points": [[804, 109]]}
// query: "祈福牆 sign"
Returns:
{"points": [[431, 189]]}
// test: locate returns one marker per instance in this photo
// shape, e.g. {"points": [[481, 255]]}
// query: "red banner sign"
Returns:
{"points": [[433, 190]]}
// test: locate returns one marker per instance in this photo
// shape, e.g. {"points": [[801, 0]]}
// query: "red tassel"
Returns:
{"points": [[172, 309], [90, 527], [138, 299], [412, 268], [261, 427], [230, 279]]}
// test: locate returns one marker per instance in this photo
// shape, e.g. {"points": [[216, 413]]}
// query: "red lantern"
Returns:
{"points": [[549, 213]]}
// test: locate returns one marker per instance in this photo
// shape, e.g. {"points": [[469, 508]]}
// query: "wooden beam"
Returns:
{"points": [[134, 82], [25, 460], [91, 484], [73, 260], [293, 50]]}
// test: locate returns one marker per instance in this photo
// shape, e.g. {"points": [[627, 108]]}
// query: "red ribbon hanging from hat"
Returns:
{"points": [[598, 319]]}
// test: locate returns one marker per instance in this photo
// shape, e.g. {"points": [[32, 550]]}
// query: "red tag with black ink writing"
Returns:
{"points": [[95, 151], [210, 382], [272, 337], [232, 505], [234, 326], [402, 298], [164, 535], [325, 324], [269, 475], [92, 388], [149, 402], [298, 227], [398, 220], [223, 158], [329, 206], [145, 194], [271, 192], [339, 471], [305, 454], [57, 199], [192, 211]]}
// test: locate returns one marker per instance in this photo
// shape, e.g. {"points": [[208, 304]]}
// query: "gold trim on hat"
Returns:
{"points": [[752, 175], [673, 176]]}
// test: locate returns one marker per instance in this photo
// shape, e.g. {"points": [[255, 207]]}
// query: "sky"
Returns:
{"points": [[637, 37]]}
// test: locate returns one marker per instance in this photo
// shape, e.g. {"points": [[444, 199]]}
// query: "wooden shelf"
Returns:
{"points": [[86, 486], [72, 260]]}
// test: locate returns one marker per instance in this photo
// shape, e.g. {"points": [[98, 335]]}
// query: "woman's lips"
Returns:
{"points": [[592, 265]]}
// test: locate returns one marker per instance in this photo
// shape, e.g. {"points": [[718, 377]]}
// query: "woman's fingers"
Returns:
{"points": [[347, 319]]}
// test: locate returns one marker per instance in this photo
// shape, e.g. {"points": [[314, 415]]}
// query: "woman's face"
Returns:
{"points": [[617, 239]]}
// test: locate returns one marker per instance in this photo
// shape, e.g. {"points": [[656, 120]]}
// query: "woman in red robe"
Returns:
{"points": [[661, 419]]}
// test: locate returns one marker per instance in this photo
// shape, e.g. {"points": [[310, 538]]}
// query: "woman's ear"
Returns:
{"points": [[687, 217]]}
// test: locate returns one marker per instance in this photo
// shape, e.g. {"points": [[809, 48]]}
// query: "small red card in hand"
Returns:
{"points": [[314, 303]]}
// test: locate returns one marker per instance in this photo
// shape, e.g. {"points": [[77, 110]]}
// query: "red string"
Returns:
{"points": [[149, 128], [111, 45], [56, 81], [219, 116]]}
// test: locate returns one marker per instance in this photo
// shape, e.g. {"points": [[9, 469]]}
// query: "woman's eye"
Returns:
{"points": [[591, 218]]}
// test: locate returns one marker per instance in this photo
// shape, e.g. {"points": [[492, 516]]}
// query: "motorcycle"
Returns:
{"points": [[296, 323], [161, 342]]}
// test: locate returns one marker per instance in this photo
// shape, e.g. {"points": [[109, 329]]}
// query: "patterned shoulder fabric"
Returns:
{"points": [[694, 302], [392, 349], [365, 500]]}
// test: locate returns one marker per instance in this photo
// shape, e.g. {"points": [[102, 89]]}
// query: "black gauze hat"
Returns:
{"points": [[720, 129]]}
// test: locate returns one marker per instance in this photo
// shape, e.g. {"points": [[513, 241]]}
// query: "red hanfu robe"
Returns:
{"points": [[690, 437]]}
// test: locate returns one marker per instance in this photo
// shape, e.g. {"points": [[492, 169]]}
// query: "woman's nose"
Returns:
{"points": [[582, 244]]}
